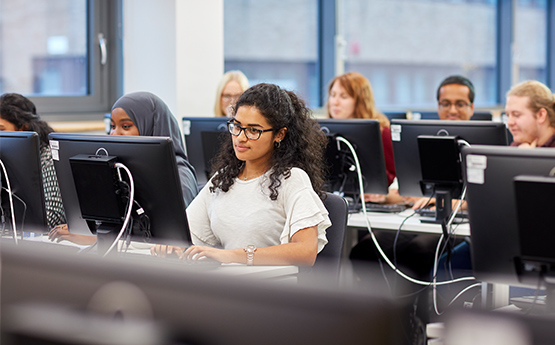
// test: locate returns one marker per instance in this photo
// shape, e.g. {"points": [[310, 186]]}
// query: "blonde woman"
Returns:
{"points": [[232, 85]]}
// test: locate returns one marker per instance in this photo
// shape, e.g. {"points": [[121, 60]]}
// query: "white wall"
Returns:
{"points": [[174, 49], [200, 55]]}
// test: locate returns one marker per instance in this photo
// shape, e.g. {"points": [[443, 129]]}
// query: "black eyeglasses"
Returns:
{"points": [[251, 133], [459, 105]]}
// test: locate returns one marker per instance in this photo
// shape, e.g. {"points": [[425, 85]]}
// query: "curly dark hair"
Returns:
{"points": [[22, 113], [302, 147]]}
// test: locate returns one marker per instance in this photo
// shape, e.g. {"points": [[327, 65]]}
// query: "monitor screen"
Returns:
{"points": [[490, 174], [433, 115], [20, 153], [404, 134], [365, 136], [151, 161], [395, 114], [203, 137], [191, 305]]}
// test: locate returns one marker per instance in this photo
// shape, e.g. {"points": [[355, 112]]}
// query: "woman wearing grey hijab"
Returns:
{"points": [[145, 114]]}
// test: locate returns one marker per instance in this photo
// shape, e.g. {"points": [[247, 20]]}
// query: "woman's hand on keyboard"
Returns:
{"points": [[215, 254], [424, 203], [392, 197], [375, 198], [431, 202], [61, 233], [163, 251]]}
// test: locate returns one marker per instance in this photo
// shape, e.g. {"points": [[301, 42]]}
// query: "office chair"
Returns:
{"points": [[482, 116], [328, 261], [432, 115], [425, 115]]}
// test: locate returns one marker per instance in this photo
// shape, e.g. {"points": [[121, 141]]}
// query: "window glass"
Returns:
{"points": [[407, 47], [530, 40], [273, 41], [43, 47]]}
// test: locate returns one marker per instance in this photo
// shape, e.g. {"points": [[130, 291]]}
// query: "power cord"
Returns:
{"points": [[129, 204], [386, 259], [9, 189]]}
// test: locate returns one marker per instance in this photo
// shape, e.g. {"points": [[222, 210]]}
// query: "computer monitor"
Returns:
{"points": [[493, 213], [365, 136], [191, 306], [425, 115], [203, 137], [20, 153], [395, 114], [482, 116], [404, 135], [433, 115], [441, 173], [152, 163]]}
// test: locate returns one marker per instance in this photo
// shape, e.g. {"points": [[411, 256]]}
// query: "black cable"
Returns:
{"points": [[396, 239], [536, 295], [24, 209]]}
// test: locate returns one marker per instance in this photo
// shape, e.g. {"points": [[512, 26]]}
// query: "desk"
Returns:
{"points": [[392, 221], [273, 273]]}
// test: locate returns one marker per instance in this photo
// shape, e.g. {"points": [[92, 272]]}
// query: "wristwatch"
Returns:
{"points": [[250, 249]]}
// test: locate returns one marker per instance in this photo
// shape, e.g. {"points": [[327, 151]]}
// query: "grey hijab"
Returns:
{"points": [[153, 118]]}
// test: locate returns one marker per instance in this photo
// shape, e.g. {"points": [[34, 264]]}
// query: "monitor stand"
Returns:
{"points": [[443, 207], [106, 234]]}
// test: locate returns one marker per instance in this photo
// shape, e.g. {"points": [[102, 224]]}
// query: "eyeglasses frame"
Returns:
{"points": [[243, 129]]}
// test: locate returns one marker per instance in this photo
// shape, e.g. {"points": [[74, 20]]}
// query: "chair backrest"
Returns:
{"points": [[425, 115], [338, 211], [328, 262], [395, 114], [482, 116]]}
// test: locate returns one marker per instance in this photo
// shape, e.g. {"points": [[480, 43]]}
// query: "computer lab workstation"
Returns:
{"points": [[451, 161], [490, 276], [460, 160], [66, 293]]}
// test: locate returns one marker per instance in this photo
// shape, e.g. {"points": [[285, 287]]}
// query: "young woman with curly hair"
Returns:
{"points": [[263, 205]]}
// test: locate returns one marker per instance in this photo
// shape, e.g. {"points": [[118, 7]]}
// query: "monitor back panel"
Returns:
{"points": [[404, 135]]}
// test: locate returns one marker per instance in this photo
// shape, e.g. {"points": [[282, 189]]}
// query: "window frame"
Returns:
{"points": [[504, 40], [105, 81], [550, 51]]}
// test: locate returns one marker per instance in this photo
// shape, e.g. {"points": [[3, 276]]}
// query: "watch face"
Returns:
{"points": [[250, 248]]}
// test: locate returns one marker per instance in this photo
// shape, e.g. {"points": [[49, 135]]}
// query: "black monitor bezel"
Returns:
{"points": [[196, 148], [489, 173], [404, 134], [365, 136], [153, 166], [188, 302], [20, 153]]}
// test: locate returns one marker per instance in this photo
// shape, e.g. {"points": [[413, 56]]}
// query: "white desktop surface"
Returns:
{"points": [[392, 221], [288, 273], [260, 272]]}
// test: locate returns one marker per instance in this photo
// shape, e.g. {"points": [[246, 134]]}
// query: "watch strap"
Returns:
{"points": [[250, 249]]}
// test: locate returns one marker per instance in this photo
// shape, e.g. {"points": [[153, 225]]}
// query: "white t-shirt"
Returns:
{"points": [[246, 215]]}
